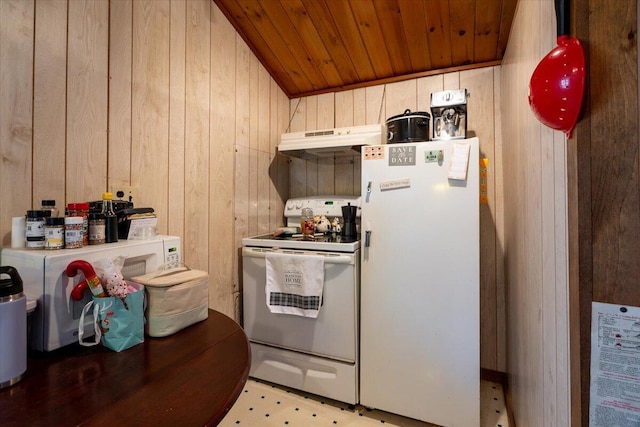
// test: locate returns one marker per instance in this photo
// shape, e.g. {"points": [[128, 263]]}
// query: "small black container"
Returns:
{"points": [[408, 127]]}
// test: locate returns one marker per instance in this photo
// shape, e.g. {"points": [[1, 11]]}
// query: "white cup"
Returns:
{"points": [[17, 231]]}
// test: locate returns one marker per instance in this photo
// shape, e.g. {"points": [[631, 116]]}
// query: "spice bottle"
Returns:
{"points": [[73, 232], [82, 210], [34, 231], [96, 228], [50, 205], [110, 218], [307, 224], [54, 233]]}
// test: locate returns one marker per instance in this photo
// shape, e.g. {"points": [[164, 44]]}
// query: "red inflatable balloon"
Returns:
{"points": [[556, 87]]}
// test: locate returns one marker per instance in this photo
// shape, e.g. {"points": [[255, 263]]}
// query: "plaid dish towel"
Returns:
{"points": [[294, 283]]}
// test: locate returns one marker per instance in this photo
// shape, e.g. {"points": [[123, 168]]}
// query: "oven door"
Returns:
{"points": [[333, 334]]}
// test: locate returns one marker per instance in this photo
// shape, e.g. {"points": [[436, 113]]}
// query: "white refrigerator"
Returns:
{"points": [[420, 271]]}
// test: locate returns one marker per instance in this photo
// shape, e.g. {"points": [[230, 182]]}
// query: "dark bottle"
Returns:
{"points": [[110, 219]]}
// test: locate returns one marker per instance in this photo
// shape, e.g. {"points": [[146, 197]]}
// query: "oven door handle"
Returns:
{"points": [[329, 257]]}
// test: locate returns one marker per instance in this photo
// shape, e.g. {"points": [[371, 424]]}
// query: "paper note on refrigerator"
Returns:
{"points": [[459, 160]]}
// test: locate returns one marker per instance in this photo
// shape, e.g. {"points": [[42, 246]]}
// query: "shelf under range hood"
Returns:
{"points": [[330, 142]]}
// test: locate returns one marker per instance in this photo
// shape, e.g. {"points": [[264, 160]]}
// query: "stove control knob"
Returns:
{"points": [[292, 206]]}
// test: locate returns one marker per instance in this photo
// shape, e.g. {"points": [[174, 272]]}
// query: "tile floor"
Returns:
{"points": [[263, 404]]}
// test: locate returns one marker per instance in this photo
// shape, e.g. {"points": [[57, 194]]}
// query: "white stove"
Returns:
{"points": [[317, 355]]}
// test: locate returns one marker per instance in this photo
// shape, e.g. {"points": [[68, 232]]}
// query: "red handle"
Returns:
{"points": [[78, 291], [91, 279], [84, 266]]}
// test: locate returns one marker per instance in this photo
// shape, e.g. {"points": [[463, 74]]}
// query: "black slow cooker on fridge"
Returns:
{"points": [[408, 127]]}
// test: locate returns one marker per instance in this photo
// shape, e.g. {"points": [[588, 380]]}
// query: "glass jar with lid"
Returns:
{"points": [[50, 205], [73, 232], [307, 225], [54, 233], [82, 210], [34, 228], [97, 226]]}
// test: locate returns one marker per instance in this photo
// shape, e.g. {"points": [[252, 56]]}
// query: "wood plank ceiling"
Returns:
{"points": [[316, 46]]}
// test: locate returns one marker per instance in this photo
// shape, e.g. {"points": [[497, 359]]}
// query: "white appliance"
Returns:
{"points": [[54, 323], [330, 142], [316, 355], [420, 334]]}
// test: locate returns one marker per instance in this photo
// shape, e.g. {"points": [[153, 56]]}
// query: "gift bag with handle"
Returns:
{"points": [[118, 322]]}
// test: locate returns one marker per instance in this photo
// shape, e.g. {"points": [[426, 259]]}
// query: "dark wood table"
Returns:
{"points": [[191, 378]]}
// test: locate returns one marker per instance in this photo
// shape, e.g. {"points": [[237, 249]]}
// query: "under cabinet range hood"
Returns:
{"points": [[330, 142]]}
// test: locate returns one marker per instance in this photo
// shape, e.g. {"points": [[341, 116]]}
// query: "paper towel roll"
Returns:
{"points": [[17, 231]]}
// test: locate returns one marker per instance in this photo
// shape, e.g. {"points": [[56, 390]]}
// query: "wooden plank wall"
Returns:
{"points": [[158, 94], [604, 180], [535, 233], [377, 103]]}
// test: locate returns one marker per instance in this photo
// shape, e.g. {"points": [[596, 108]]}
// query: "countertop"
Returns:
{"points": [[191, 378]]}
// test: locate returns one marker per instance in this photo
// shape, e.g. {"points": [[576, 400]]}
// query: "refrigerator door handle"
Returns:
{"points": [[368, 191], [367, 238]]}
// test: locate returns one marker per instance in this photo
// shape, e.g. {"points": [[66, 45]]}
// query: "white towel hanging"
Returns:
{"points": [[294, 283]]}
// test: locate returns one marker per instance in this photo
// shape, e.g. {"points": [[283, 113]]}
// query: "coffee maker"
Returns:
{"points": [[349, 229]]}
